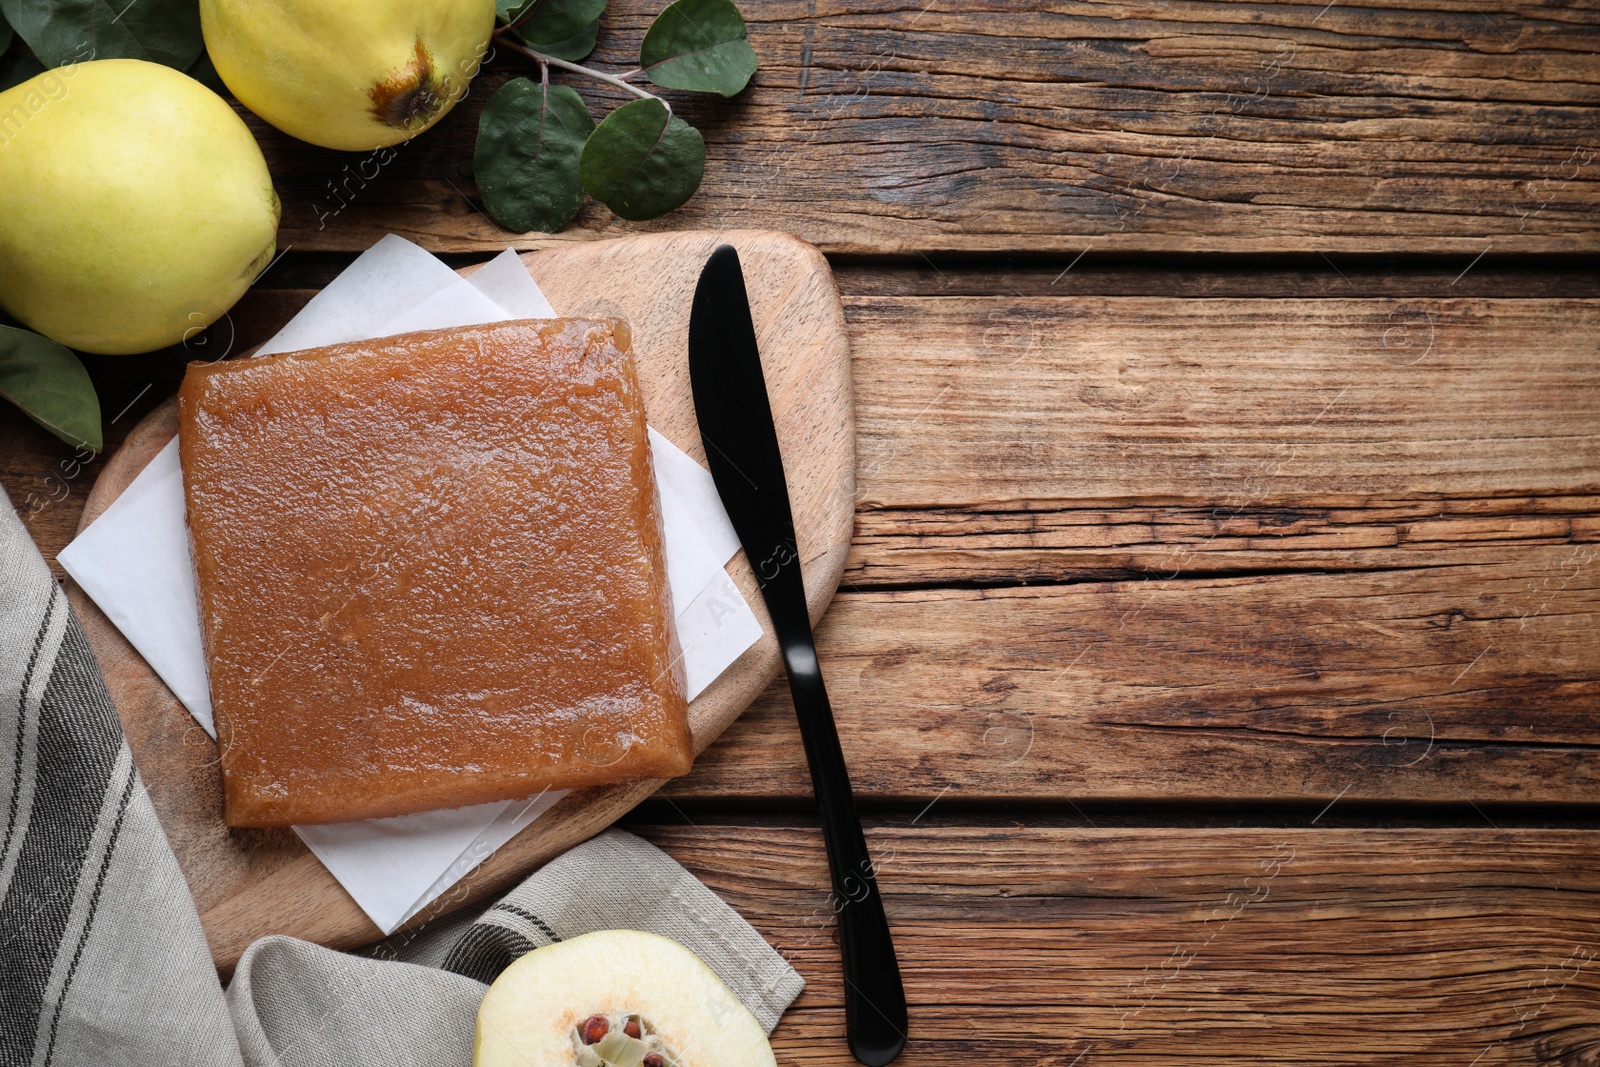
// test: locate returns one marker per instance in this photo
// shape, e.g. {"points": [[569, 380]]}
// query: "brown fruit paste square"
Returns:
{"points": [[430, 572]]}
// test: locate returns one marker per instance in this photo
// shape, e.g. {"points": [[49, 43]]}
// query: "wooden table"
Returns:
{"points": [[1218, 660]]}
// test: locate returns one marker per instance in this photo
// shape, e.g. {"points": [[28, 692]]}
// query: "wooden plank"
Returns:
{"points": [[1054, 945], [1443, 684], [964, 401], [881, 127], [1058, 541], [1023, 438], [1195, 277]]}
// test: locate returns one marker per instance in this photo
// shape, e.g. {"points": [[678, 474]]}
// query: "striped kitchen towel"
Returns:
{"points": [[102, 959]]}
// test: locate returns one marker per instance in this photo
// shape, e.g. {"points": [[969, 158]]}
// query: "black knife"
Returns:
{"points": [[730, 403]]}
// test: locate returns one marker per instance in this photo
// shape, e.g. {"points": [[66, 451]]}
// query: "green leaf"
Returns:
{"points": [[572, 49], [204, 71], [699, 45], [48, 382], [643, 160], [18, 68], [530, 138], [75, 31], [554, 20], [6, 33]]}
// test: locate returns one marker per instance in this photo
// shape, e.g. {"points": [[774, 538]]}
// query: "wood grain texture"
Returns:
{"points": [[1441, 684], [1060, 542], [1185, 276], [1235, 403], [249, 883], [1419, 626], [1010, 126], [1093, 437], [1048, 945]]}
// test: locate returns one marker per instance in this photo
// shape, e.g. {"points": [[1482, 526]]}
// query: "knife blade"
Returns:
{"points": [[741, 445]]}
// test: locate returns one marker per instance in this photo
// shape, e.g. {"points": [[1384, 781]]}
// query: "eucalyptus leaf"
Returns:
{"points": [[204, 71], [643, 160], [530, 138], [572, 49], [75, 31], [48, 382], [554, 20], [699, 45], [18, 68]]}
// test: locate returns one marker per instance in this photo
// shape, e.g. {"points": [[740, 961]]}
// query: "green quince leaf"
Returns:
{"points": [[75, 31], [47, 381], [572, 49], [554, 20], [6, 33], [699, 45], [643, 160], [530, 138], [18, 68]]}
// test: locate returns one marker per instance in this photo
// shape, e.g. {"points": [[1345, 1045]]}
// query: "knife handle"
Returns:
{"points": [[874, 998]]}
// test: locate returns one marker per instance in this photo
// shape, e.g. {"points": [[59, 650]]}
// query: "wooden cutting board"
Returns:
{"points": [[249, 883]]}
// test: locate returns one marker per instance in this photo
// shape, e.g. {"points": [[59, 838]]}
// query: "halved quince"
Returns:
{"points": [[616, 998]]}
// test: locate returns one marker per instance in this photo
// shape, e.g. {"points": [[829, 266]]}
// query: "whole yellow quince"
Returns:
{"points": [[135, 206], [348, 74]]}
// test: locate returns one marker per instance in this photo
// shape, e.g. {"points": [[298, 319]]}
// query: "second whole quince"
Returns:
{"points": [[353, 75]]}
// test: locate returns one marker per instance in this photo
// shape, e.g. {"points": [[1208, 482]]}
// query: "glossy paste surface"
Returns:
{"points": [[430, 572]]}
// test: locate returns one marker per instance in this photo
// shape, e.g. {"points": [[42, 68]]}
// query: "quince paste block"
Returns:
{"points": [[430, 572]]}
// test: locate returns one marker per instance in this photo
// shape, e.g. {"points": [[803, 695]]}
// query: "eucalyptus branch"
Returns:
{"points": [[540, 154], [578, 68]]}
